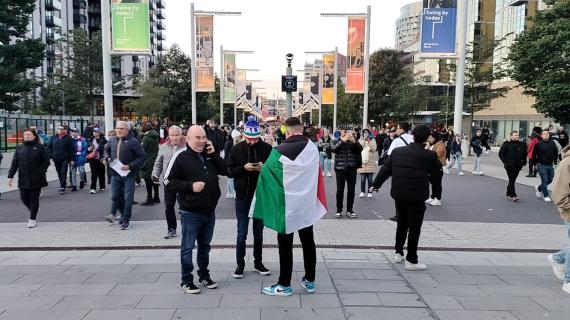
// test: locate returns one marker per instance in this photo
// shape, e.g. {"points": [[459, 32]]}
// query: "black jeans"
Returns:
{"points": [[363, 178], [436, 184], [169, 212], [512, 174], [242, 216], [61, 168], [532, 171], [31, 199], [149, 187], [347, 176], [97, 173], [410, 219], [285, 242]]}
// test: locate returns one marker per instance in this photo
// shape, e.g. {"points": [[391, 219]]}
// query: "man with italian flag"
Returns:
{"points": [[290, 196]]}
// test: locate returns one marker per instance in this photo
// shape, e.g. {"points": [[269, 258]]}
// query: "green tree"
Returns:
{"points": [[387, 77], [540, 61], [152, 100], [17, 53]]}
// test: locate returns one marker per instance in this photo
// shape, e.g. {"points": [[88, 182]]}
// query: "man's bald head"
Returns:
{"points": [[196, 138]]}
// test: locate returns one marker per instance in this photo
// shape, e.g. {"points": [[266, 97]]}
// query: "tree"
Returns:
{"points": [[152, 101], [540, 61], [17, 53], [386, 78]]}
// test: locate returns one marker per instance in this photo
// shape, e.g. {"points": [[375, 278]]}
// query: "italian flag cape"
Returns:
{"points": [[290, 194]]}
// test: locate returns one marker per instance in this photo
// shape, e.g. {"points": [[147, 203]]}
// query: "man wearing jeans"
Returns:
{"points": [[126, 149], [193, 175], [245, 161], [545, 155], [61, 150]]}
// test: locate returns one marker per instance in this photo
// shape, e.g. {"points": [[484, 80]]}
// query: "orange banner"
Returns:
{"points": [[328, 79], [355, 56], [205, 54]]}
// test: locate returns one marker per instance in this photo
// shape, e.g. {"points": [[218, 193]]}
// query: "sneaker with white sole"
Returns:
{"points": [[481, 173], [209, 283], [566, 287], [475, 172], [190, 288], [460, 173], [362, 195], [369, 195], [446, 171], [329, 174], [398, 258], [556, 267], [415, 266], [32, 223], [262, 270], [435, 203], [429, 201], [351, 214], [537, 192], [92, 191], [547, 199], [278, 290], [309, 286], [338, 214], [110, 218], [238, 274]]}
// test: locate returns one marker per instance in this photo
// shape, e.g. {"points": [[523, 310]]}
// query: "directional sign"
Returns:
{"points": [[439, 25], [289, 83]]}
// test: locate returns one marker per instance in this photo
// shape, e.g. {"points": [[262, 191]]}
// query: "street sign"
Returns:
{"points": [[289, 83], [130, 26], [439, 22]]}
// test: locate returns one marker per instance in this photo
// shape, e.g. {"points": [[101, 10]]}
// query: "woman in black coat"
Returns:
{"points": [[31, 161]]}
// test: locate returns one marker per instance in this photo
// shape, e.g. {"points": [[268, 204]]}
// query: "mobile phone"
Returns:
{"points": [[257, 164]]}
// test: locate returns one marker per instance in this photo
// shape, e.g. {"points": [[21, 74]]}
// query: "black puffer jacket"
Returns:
{"points": [[245, 182], [513, 154], [348, 155], [31, 161], [545, 152], [410, 168]]}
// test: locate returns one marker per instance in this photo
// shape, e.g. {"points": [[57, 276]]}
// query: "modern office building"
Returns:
{"points": [[408, 24]]}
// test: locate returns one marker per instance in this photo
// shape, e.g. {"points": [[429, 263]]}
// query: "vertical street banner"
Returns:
{"points": [[229, 78], [355, 56], [328, 79], [130, 25], [315, 88], [248, 90], [301, 100], [439, 29], [240, 86], [205, 54], [341, 64]]}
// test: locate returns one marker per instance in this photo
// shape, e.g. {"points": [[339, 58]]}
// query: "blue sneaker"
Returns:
{"points": [[278, 290], [309, 286]]}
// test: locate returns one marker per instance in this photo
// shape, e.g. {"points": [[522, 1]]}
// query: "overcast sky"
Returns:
{"points": [[274, 28]]}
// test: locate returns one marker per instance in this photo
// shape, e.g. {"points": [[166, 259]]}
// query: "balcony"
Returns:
{"points": [[152, 29], [79, 4], [50, 52], [516, 3], [151, 64], [53, 5], [79, 18], [52, 37], [53, 21], [94, 9], [135, 58], [151, 5], [161, 25], [160, 14], [160, 4], [136, 70], [94, 23], [160, 46], [160, 35]]}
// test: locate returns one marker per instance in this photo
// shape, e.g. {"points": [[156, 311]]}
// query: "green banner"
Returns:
{"points": [[130, 25], [229, 78]]}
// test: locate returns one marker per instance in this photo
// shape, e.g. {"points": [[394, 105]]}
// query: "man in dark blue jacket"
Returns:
{"points": [[62, 151], [545, 155], [124, 155]]}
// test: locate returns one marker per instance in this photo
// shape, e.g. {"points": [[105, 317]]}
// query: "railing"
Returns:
{"points": [[53, 5]]}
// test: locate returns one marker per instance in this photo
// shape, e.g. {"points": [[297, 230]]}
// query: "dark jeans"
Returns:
{"points": [[512, 174], [149, 187], [31, 199], [196, 227], [61, 168], [410, 219], [436, 184], [363, 178], [122, 192], [242, 216], [285, 242], [546, 173], [169, 212], [97, 173], [348, 177]]}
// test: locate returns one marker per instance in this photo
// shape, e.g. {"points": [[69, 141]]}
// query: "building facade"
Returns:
{"points": [[408, 24]]}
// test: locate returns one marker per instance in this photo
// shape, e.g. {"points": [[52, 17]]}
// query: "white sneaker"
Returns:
{"points": [[460, 173], [538, 193], [32, 223], [92, 191], [398, 258], [435, 203], [415, 266], [362, 195], [480, 173], [566, 287], [486, 151], [230, 196], [429, 201], [369, 195], [446, 171], [547, 199], [475, 172], [329, 174], [556, 267]]}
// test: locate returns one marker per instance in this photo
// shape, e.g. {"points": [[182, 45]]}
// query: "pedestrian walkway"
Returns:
{"points": [[351, 284]]}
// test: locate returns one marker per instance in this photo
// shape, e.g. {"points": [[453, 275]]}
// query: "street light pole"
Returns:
{"points": [[193, 58], [366, 67], [460, 81], [335, 88], [222, 84], [107, 73], [289, 72]]}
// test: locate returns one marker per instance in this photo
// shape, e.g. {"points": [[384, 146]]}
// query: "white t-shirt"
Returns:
{"points": [[398, 142]]}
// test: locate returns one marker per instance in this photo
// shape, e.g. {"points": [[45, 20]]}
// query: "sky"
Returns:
{"points": [[273, 28]]}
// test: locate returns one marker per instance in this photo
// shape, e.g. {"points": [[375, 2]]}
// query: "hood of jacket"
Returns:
{"points": [[152, 134], [566, 152]]}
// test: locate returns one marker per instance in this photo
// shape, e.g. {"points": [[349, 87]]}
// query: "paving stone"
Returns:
{"points": [[18, 290], [7, 278], [384, 313], [492, 270], [94, 260], [28, 303], [131, 314], [100, 268], [498, 304], [382, 274], [319, 300], [359, 299], [553, 303], [450, 289], [74, 289], [137, 289], [467, 279], [77, 253], [33, 261], [180, 301], [534, 280], [98, 302], [154, 260], [419, 278], [303, 314], [136, 253], [53, 278], [31, 269], [43, 315], [520, 291], [400, 300], [371, 286], [537, 315], [473, 315], [442, 302], [157, 267], [340, 274], [216, 314], [259, 301], [352, 264], [138, 277]]}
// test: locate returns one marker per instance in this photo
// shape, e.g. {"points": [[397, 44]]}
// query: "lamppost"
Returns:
{"points": [[335, 75], [223, 79], [289, 96]]}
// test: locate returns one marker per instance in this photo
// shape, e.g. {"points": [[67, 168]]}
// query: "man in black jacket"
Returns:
{"points": [[244, 165], [513, 155], [193, 175], [348, 159], [545, 155], [410, 168], [61, 149]]}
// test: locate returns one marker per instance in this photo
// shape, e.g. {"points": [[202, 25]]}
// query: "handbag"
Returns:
{"points": [[93, 154]]}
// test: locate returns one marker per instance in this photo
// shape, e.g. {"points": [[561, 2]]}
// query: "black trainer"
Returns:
{"points": [[238, 274], [190, 288], [262, 270], [209, 283]]}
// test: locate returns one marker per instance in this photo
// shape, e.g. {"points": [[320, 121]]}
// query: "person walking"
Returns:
{"points": [[456, 155], [348, 159], [31, 161], [410, 168], [234, 138], [513, 155], [545, 155], [149, 143], [175, 142], [80, 159], [325, 152], [61, 150], [245, 161], [96, 149], [290, 197], [562, 137], [403, 139], [193, 175], [369, 162], [560, 261], [476, 144], [535, 138], [124, 155], [436, 145], [485, 136]]}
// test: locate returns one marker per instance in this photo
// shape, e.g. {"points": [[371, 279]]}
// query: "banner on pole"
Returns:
{"points": [[130, 25], [205, 54], [355, 63], [439, 29], [341, 64], [328, 79], [229, 78]]}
